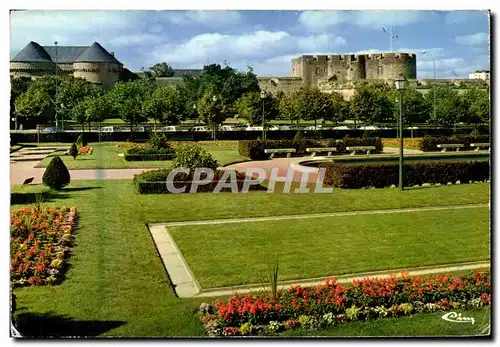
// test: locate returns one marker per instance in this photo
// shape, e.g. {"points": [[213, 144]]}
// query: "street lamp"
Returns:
{"points": [[263, 96], [434, 86], [214, 98], [400, 85], [55, 107]]}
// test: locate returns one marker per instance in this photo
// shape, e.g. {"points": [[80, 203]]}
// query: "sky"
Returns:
{"points": [[457, 41]]}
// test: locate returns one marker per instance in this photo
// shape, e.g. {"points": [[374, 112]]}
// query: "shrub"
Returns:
{"points": [[383, 175], [429, 143], [192, 157], [73, 151], [158, 141], [56, 174], [154, 182], [475, 132], [332, 303], [254, 149], [82, 141], [299, 135]]}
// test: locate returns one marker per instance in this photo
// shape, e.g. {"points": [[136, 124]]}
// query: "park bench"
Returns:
{"points": [[321, 149], [354, 149], [274, 151], [445, 146], [479, 145]]}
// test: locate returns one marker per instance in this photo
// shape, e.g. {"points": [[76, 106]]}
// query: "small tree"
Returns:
{"points": [[192, 157], [56, 175], [73, 151]]}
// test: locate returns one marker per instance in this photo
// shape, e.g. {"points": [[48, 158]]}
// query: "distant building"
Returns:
{"points": [[480, 75], [92, 63]]}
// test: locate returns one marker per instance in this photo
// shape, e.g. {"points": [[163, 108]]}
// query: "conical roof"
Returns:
{"points": [[96, 54], [33, 52]]}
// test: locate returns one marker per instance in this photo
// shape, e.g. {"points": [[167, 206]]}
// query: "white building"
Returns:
{"points": [[480, 75]]}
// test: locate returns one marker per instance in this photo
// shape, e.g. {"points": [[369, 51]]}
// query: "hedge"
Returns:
{"points": [[254, 149], [147, 153], [154, 182], [384, 175], [332, 303], [429, 143]]}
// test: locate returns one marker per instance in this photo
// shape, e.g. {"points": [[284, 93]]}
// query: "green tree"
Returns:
{"points": [[249, 107], [97, 110], [340, 108], [372, 103], [71, 91], [211, 108], [161, 70], [126, 98], [73, 150], [477, 102], [312, 104], [450, 107], [78, 113], [415, 107], [35, 104], [166, 105], [18, 86], [56, 175], [287, 108]]}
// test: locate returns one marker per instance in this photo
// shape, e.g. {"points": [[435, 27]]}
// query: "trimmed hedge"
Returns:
{"points": [[384, 175], [429, 143], [146, 154], [154, 182], [254, 149]]}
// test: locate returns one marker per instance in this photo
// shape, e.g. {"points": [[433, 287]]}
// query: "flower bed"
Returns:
{"points": [[407, 143], [85, 150], [40, 243], [331, 303]]}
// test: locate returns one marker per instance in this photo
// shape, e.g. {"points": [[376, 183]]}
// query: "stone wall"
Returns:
{"points": [[276, 84], [106, 74], [33, 70]]}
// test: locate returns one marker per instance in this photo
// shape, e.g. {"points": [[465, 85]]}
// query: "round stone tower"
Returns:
{"points": [[97, 65], [396, 64], [32, 61]]}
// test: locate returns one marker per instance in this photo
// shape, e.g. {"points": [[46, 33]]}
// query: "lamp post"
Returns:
{"points": [[400, 85], [214, 98], [194, 113], [55, 107], [434, 86], [263, 96]]}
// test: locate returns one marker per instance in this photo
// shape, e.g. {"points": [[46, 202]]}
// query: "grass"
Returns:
{"points": [[310, 248], [105, 156], [417, 325], [117, 286]]}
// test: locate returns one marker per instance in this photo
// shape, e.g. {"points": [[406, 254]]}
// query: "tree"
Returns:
{"points": [[340, 108], [166, 105], [211, 108], [287, 108], [125, 99], [477, 102], [372, 103], [249, 107], [161, 70], [415, 107], [312, 104], [56, 175], [35, 104], [71, 91], [18, 86], [450, 107], [78, 113], [73, 151]]}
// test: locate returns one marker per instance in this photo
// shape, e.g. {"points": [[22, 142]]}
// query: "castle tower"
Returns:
{"points": [[32, 61], [97, 65]]}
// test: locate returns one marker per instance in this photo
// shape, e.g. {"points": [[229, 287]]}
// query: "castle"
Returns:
{"points": [[92, 63]]}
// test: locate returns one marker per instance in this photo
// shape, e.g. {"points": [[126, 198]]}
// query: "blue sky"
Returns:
{"points": [[264, 40]]}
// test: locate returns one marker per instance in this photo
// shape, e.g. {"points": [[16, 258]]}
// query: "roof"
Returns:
{"points": [[33, 52], [65, 54], [96, 54]]}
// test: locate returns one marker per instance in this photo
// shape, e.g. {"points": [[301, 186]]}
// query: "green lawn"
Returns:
{"points": [[117, 286], [318, 247], [423, 324], [105, 156]]}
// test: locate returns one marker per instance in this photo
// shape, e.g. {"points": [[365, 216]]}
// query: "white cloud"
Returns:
{"points": [[318, 21], [208, 18], [473, 39], [216, 47], [460, 17], [135, 40]]}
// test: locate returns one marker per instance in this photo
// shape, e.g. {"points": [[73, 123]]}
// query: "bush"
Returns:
{"points": [[475, 132], [429, 143], [254, 149], [384, 175], [299, 135], [82, 141], [154, 182], [194, 156], [73, 151], [158, 141], [147, 157], [56, 175]]}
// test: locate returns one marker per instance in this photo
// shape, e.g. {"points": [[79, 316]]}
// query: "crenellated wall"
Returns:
{"points": [[275, 84]]}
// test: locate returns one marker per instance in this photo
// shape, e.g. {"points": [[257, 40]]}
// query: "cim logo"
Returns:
{"points": [[457, 318]]}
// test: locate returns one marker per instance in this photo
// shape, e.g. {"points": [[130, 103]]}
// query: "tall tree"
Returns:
{"points": [[372, 103], [166, 105], [477, 102], [249, 107], [312, 104], [71, 91], [36, 105], [287, 108], [18, 86], [126, 98], [415, 107], [340, 108], [450, 107], [161, 70], [211, 108]]}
